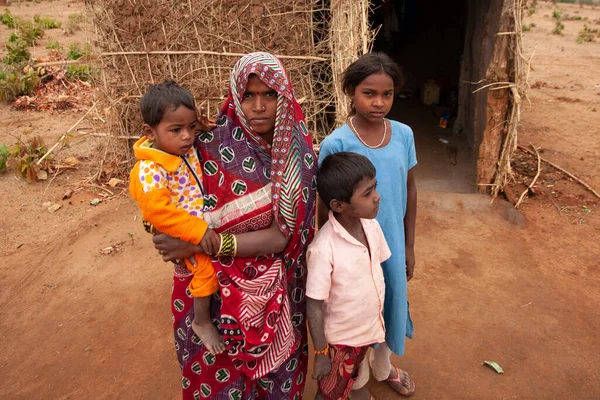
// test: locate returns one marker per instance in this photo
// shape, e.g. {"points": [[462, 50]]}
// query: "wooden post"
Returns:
{"points": [[497, 101]]}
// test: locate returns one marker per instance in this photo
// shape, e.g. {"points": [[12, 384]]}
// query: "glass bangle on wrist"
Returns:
{"points": [[324, 352]]}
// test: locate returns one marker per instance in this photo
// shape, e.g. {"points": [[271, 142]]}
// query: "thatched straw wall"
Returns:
{"points": [[196, 42]]}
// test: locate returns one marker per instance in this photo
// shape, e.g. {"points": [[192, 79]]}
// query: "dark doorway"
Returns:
{"points": [[426, 38]]}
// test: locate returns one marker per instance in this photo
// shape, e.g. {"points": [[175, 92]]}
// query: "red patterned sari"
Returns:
{"points": [[248, 184]]}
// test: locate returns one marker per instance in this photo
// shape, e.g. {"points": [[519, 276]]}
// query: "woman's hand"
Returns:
{"points": [[173, 249], [204, 124]]}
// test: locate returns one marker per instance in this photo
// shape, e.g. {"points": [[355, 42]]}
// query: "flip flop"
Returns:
{"points": [[407, 386]]}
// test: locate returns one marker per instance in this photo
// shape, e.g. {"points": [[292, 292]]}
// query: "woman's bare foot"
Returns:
{"points": [[209, 335]]}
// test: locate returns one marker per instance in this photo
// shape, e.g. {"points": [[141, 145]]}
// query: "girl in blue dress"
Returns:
{"points": [[371, 82]]}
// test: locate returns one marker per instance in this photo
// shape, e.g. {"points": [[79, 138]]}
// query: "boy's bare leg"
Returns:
{"points": [[204, 328]]}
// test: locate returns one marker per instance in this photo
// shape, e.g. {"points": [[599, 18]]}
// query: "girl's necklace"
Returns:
{"points": [[362, 141]]}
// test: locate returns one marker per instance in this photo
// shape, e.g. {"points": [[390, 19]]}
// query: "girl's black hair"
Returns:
{"points": [[369, 64], [158, 98], [339, 175]]}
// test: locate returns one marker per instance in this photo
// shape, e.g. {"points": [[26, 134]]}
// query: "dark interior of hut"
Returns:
{"points": [[426, 38]]}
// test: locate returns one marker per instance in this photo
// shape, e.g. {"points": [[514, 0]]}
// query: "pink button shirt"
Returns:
{"points": [[341, 273]]}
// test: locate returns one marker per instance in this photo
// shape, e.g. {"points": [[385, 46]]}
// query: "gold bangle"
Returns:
{"points": [[228, 246], [220, 245], [324, 352]]}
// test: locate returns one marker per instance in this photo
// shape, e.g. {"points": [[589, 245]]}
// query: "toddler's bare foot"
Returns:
{"points": [[209, 335]]}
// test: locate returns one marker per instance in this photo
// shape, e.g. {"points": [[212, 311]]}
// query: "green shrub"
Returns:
{"points": [[29, 32], [74, 22], [46, 22], [86, 73], [53, 45], [557, 16], [4, 154], [15, 83], [586, 34], [558, 28], [16, 53], [7, 19], [24, 159], [76, 51]]}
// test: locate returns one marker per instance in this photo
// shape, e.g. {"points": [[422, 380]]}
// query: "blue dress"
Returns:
{"points": [[392, 163]]}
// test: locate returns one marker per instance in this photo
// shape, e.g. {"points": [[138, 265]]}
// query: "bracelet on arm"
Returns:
{"points": [[228, 247], [147, 226], [324, 352]]}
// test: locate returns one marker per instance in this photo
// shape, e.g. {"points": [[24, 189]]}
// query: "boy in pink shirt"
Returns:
{"points": [[345, 287]]}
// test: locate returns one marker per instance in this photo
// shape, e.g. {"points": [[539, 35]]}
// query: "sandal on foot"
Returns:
{"points": [[407, 386]]}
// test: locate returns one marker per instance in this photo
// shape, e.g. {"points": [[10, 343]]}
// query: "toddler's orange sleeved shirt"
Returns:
{"points": [[168, 191]]}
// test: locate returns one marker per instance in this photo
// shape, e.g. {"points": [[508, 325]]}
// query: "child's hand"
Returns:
{"points": [[322, 367], [204, 124], [211, 242]]}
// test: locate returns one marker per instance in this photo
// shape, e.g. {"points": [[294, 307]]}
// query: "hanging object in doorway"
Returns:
{"points": [[430, 93]]}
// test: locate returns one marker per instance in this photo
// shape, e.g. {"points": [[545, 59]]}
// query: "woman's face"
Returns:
{"points": [[259, 105]]}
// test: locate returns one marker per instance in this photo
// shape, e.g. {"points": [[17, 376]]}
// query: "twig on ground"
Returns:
{"points": [[564, 171], [539, 169], [65, 135]]}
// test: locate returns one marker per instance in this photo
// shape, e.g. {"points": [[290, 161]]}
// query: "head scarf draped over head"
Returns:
{"points": [[249, 182]]}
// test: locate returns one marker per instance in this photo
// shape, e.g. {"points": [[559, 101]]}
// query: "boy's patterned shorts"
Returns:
{"points": [[345, 362]]}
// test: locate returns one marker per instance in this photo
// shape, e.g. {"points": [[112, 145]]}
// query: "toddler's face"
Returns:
{"points": [[176, 131]]}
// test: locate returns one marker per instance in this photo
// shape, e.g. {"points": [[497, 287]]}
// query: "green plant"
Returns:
{"points": [[29, 32], [527, 28], [24, 159], [532, 8], [557, 16], [4, 155], [16, 52], [74, 22], [586, 34], [7, 19], [53, 45], [82, 72], [15, 83], [46, 22], [76, 51], [13, 37]]}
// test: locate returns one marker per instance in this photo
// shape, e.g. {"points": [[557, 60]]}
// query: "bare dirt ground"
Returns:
{"points": [[492, 283]]}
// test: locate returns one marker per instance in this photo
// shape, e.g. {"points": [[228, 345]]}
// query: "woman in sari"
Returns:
{"points": [[260, 186]]}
